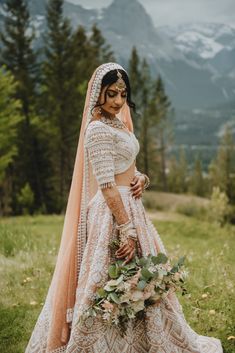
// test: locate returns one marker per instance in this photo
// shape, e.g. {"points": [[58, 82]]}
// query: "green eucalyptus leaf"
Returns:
{"points": [[141, 284], [174, 269], [113, 271], [112, 284], [181, 260], [161, 258], [130, 265], [155, 274], [146, 274], [114, 297], [143, 261], [101, 292]]}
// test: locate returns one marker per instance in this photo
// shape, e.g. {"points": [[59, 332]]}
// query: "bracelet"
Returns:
{"points": [[127, 231], [126, 236], [147, 181], [124, 225]]}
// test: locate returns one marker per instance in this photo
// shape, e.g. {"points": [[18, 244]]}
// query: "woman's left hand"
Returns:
{"points": [[127, 251], [137, 186]]}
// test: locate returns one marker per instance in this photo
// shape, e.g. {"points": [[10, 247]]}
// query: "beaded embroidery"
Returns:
{"points": [[111, 151]]}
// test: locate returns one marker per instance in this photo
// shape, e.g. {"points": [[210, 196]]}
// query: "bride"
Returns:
{"points": [[105, 201]]}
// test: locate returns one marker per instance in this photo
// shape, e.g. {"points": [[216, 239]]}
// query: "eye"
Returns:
{"points": [[111, 94], [124, 95]]}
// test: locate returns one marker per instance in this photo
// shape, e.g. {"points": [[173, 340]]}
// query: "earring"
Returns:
{"points": [[98, 110]]}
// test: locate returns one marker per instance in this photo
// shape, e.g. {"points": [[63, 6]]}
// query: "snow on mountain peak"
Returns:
{"points": [[206, 47], [204, 40]]}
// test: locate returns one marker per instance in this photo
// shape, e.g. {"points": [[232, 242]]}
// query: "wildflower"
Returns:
{"points": [[231, 338], [134, 280], [137, 295], [106, 316], [184, 274], [177, 276], [33, 302], [107, 305]]}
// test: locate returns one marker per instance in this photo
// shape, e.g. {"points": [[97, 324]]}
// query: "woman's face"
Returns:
{"points": [[114, 99]]}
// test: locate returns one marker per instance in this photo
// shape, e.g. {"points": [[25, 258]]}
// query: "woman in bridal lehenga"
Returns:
{"points": [[104, 201]]}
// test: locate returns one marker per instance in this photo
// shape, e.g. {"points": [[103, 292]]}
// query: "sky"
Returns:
{"points": [[174, 12]]}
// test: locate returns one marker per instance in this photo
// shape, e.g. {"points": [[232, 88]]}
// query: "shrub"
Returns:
{"points": [[153, 202], [192, 210], [218, 207], [25, 199]]}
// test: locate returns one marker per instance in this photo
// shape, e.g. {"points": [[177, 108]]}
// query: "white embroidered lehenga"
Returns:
{"points": [[164, 328]]}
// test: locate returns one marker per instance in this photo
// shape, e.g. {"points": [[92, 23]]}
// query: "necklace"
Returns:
{"points": [[115, 122]]}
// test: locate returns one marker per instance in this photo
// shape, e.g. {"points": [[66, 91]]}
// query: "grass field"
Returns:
{"points": [[28, 248]]}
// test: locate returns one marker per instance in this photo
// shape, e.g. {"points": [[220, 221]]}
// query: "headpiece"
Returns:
{"points": [[120, 84]]}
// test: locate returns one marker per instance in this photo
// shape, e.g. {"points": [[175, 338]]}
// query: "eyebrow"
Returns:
{"points": [[112, 90]]}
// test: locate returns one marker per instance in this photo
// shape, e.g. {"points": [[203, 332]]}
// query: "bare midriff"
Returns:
{"points": [[126, 177]]}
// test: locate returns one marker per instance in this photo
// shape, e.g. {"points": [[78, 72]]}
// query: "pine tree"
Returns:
{"points": [[83, 66], [18, 56], [173, 175], [135, 77], [134, 73], [70, 58], [160, 111], [17, 53], [196, 181], [182, 172], [100, 52], [222, 168], [177, 177], [153, 128], [10, 118], [146, 123], [57, 99]]}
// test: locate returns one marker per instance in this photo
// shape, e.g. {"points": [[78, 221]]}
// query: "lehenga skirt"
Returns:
{"points": [[163, 328]]}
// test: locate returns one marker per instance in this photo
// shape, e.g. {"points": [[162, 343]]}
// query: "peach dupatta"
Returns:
{"points": [[62, 291]]}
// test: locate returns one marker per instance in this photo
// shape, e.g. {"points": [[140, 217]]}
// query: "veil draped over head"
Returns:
{"points": [[61, 296]]}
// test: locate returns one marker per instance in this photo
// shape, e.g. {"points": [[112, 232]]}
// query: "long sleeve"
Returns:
{"points": [[99, 144], [137, 173]]}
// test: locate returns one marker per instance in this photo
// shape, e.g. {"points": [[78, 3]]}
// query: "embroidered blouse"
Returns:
{"points": [[111, 151]]}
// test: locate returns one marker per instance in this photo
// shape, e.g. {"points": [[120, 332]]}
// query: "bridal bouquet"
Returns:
{"points": [[133, 287]]}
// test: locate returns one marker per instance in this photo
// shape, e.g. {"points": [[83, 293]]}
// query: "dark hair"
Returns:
{"points": [[110, 78]]}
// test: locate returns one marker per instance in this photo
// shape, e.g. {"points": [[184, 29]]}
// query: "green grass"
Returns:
{"points": [[210, 253], [28, 249]]}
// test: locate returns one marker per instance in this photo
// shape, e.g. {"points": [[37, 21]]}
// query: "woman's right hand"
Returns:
{"points": [[137, 186], [127, 251]]}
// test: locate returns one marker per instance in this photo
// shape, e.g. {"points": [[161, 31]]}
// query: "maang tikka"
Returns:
{"points": [[120, 84]]}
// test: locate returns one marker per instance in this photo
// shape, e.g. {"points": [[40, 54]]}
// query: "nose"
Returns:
{"points": [[118, 100]]}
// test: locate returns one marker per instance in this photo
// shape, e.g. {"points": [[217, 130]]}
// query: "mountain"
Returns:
{"points": [[209, 49], [195, 60], [200, 130]]}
